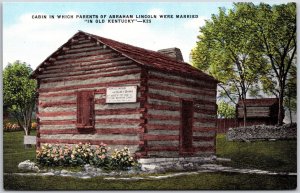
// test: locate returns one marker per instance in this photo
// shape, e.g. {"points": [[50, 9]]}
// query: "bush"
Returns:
{"points": [[121, 159], [33, 125], [81, 154]]}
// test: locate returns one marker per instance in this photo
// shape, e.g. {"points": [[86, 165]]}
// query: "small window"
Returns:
{"points": [[85, 110]]}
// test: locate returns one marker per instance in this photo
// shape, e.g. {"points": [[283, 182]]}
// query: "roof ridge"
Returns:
{"points": [[155, 52]]}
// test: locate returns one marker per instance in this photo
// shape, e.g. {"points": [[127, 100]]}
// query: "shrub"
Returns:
{"points": [[80, 154], [121, 159], [33, 125]]}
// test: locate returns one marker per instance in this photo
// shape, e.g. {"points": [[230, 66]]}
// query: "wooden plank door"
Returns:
{"points": [[85, 109], [186, 126]]}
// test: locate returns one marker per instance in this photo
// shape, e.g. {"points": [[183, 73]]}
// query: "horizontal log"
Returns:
{"points": [[114, 74], [152, 101], [204, 129], [59, 122], [187, 96], [85, 75], [203, 138], [90, 141], [208, 125], [258, 115], [162, 107], [55, 114], [179, 81], [206, 120], [183, 89], [160, 137], [162, 127], [92, 62], [162, 117], [178, 99], [205, 111], [87, 58], [80, 50], [84, 45], [99, 69], [82, 54], [162, 148], [57, 103], [183, 95], [44, 95], [95, 131], [164, 98], [104, 84], [162, 132], [164, 112], [123, 121], [199, 102], [119, 111]]}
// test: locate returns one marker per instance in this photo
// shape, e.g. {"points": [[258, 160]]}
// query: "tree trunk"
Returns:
{"points": [[245, 111], [281, 109]]}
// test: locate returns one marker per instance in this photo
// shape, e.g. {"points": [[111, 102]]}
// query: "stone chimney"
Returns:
{"points": [[172, 52]]}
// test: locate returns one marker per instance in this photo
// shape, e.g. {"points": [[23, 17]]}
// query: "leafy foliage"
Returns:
{"points": [[225, 110], [19, 93], [248, 47], [275, 36], [225, 51]]}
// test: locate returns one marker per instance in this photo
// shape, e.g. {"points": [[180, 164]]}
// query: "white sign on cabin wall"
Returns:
{"points": [[123, 94]]}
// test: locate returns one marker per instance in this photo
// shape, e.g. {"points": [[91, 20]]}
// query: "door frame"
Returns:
{"points": [[183, 151]]}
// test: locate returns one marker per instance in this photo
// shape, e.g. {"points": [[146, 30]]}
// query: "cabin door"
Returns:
{"points": [[186, 133]]}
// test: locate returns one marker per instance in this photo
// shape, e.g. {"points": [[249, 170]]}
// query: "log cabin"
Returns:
{"points": [[259, 111], [93, 89]]}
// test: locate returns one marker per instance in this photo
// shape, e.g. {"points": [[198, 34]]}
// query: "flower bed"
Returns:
{"points": [[10, 126], [81, 154]]}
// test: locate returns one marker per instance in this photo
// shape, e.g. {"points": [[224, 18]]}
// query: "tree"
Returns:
{"points": [[19, 93], [261, 34], [225, 110], [225, 51], [274, 36]]}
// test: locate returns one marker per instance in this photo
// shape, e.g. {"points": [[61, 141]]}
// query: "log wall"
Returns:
{"points": [[150, 127], [88, 66], [163, 129]]}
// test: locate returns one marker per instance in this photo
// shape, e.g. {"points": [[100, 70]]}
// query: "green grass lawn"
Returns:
{"points": [[279, 156], [274, 156]]}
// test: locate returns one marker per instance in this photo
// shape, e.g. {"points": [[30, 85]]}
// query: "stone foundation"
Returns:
{"points": [[178, 164]]}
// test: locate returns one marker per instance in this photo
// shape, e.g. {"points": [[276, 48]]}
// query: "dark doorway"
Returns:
{"points": [[186, 126]]}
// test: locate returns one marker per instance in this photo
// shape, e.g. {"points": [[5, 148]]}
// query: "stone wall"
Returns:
{"points": [[262, 132]]}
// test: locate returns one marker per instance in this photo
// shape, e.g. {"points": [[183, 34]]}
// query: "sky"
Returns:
{"points": [[32, 40]]}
